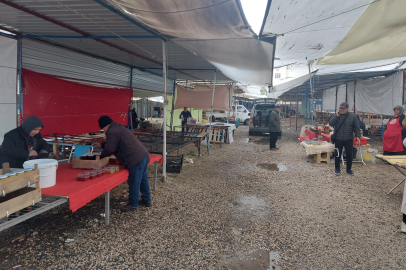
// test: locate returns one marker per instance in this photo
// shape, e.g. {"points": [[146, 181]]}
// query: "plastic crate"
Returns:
{"points": [[174, 164]]}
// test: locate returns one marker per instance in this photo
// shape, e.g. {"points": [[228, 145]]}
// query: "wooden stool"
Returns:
{"points": [[322, 157]]}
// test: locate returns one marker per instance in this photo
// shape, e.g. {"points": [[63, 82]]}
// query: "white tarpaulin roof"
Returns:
{"points": [[361, 34], [378, 34], [216, 30]]}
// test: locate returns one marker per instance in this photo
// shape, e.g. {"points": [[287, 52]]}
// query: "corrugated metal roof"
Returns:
{"points": [[88, 16]]}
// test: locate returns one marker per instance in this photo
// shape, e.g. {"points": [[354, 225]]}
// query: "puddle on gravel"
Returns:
{"points": [[277, 167], [256, 260], [252, 203], [262, 141]]}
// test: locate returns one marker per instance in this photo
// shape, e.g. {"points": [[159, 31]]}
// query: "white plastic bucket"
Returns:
{"points": [[47, 171]]}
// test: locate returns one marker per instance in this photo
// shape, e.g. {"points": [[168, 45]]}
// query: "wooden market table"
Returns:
{"points": [[396, 161], [80, 193]]}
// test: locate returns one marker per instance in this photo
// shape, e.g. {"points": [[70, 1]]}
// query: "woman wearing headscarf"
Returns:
{"points": [[395, 133], [24, 143]]}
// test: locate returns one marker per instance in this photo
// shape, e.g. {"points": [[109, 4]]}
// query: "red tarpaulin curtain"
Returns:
{"points": [[71, 108]]}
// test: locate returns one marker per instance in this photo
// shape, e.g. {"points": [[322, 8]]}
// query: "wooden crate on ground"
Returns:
{"points": [[375, 131], [322, 157], [15, 193], [78, 163]]}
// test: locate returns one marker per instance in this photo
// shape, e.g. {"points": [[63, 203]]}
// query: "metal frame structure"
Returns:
{"points": [[324, 82], [46, 204]]}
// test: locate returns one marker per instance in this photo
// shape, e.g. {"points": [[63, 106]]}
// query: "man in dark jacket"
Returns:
{"points": [[133, 155], [345, 135], [274, 127], [184, 116], [24, 143]]}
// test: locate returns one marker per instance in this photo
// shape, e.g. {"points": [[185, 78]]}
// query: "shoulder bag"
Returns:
{"points": [[334, 136]]}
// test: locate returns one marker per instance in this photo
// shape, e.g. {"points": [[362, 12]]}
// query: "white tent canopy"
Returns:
{"points": [[309, 30], [216, 30]]}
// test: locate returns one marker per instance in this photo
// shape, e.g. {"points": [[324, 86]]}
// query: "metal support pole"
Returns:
{"points": [[235, 110], [20, 79], [107, 208], [147, 109], [229, 104], [165, 103], [290, 109], [355, 89], [286, 111], [297, 104], [212, 101], [336, 99], [132, 95], [173, 103], [155, 175], [306, 106]]}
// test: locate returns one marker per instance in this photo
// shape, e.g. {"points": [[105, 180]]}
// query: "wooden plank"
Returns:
{"points": [[90, 164], [202, 134], [19, 181], [390, 157], [20, 202]]}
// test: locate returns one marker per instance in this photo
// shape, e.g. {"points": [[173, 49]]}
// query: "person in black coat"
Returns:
{"points": [[184, 116], [134, 118], [24, 143], [362, 126]]}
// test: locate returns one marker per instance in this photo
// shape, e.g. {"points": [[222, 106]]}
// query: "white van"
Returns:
{"points": [[242, 113]]}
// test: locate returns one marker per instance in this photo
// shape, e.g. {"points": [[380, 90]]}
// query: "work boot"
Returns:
{"points": [[128, 208], [337, 172], [145, 203]]}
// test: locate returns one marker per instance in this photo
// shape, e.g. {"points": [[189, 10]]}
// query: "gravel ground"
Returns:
{"points": [[231, 210]]}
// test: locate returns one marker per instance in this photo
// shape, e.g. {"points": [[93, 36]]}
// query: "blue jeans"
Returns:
{"points": [[138, 181]]}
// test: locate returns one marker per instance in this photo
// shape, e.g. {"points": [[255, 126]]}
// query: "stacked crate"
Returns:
{"points": [[375, 131], [15, 191]]}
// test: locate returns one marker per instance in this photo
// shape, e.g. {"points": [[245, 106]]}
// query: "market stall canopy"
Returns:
{"points": [[378, 34], [202, 99], [308, 30], [95, 29], [216, 30], [284, 87]]}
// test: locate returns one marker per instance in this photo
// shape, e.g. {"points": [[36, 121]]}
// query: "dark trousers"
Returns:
{"points": [[184, 126], [273, 137], [138, 181], [348, 150]]}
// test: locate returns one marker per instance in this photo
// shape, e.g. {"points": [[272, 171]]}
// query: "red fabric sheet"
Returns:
{"points": [[80, 193], [71, 108]]}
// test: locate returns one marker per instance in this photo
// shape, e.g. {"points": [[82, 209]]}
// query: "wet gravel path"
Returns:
{"points": [[226, 211]]}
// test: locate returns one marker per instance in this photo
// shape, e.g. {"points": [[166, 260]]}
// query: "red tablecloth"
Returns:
{"points": [[80, 193]]}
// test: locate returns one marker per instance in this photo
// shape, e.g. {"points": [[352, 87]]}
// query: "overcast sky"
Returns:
{"points": [[254, 11]]}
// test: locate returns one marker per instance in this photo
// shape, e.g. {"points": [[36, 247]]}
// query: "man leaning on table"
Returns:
{"points": [[347, 125], [133, 155]]}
